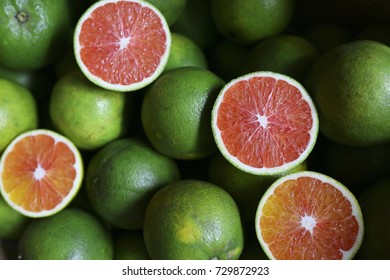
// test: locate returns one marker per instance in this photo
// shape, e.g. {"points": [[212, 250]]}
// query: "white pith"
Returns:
{"points": [[40, 172], [309, 221], [263, 122], [118, 87]]}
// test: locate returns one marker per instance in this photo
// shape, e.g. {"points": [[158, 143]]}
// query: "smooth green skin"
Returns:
{"points": [[18, 111], [184, 52], [287, 54], [33, 33], [176, 112], [122, 177], [197, 24], [171, 9], [192, 220], [245, 188], [130, 245], [71, 234], [350, 87], [375, 206], [247, 22], [12, 223], [88, 115]]}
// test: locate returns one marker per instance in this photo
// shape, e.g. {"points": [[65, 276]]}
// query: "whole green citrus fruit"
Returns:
{"points": [[70, 234], [122, 177], [12, 223], [88, 115], [18, 111], [247, 22], [193, 219], [33, 32], [350, 87], [176, 112]]}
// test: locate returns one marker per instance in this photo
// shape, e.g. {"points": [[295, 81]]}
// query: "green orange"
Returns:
{"points": [[18, 111], [193, 219], [71, 234], [176, 112], [122, 177], [33, 32]]}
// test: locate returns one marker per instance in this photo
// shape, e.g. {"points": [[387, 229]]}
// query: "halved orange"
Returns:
{"points": [[122, 45], [264, 123], [40, 173], [308, 215]]}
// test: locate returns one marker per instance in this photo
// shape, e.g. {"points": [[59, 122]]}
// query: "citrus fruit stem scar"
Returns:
{"points": [[22, 17]]}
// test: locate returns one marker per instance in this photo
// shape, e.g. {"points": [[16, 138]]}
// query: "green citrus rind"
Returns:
{"points": [[118, 87], [356, 211], [78, 165], [264, 170]]}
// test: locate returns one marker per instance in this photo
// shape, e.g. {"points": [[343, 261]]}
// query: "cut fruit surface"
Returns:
{"points": [[122, 45], [308, 215], [264, 123], [40, 173]]}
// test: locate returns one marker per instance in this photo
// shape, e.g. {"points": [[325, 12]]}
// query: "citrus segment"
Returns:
{"points": [[307, 215], [40, 171], [264, 123], [122, 45]]}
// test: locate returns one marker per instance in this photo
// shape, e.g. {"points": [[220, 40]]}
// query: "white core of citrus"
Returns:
{"points": [[263, 122], [123, 42], [40, 172], [308, 221]]}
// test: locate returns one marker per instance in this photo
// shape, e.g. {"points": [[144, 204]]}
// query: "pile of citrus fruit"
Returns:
{"points": [[194, 129]]}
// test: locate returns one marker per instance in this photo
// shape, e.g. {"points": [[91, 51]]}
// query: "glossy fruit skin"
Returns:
{"points": [[18, 111], [33, 33], [176, 112], [247, 22], [349, 85], [193, 219], [72, 234], [88, 115], [122, 177]]}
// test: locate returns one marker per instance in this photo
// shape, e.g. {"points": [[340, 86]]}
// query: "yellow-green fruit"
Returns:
{"points": [[122, 177], [18, 111], [287, 54], [350, 87], [89, 115], [176, 112], [247, 22], [184, 52], [193, 219], [71, 234], [171, 9], [12, 223], [375, 205], [33, 33]]}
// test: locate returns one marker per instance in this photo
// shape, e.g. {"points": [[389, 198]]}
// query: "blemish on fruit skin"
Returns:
{"points": [[188, 231]]}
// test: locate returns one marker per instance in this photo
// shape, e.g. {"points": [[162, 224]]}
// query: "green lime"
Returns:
{"points": [[197, 24], [18, 111], [374, 202], [70, 234], [89, 115], [193, 219], [287, 54], [247, 22], [12, 223], [184, 52], [171, 9], [122, 177], [33, 32], [349, 85], [130, 245], [176, 112]]}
